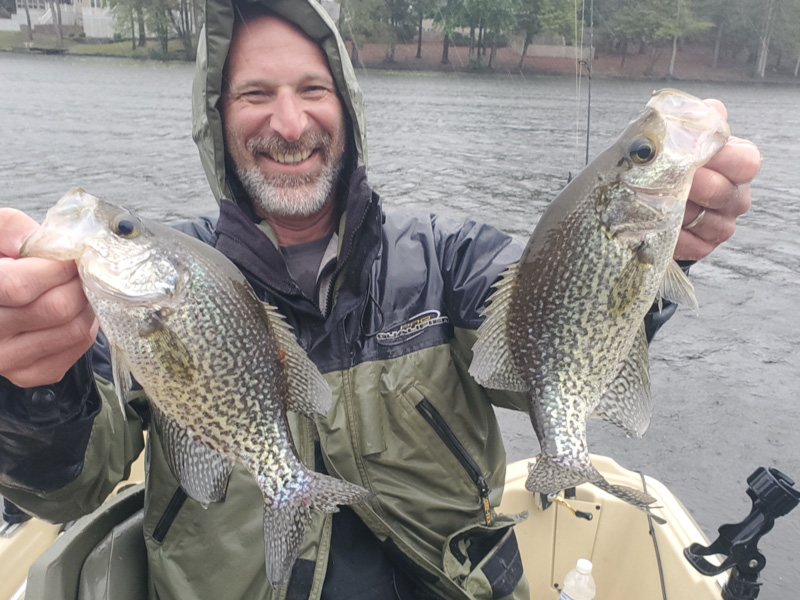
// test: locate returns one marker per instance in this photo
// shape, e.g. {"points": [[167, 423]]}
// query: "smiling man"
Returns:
{"points": [[386, 305], [284, 122]]}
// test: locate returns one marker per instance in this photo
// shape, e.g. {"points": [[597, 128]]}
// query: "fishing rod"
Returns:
{"points": [[589, 78]]}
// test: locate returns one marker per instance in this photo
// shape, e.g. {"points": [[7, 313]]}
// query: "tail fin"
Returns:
{"points": [[640, 499], [288, 514], [550, 476]]}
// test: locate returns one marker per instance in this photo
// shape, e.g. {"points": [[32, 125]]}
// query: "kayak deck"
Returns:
{"points": [[616, 539]]}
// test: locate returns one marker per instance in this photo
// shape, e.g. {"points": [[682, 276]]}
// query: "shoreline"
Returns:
{"points": [[692, 64]]}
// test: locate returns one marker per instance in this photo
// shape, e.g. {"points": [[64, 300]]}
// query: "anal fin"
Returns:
{"points": [[627, 402], [201, 471], [287, 515]]}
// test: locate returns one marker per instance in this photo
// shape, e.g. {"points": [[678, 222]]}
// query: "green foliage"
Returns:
{"points": [[558, 16], [364, 21]]}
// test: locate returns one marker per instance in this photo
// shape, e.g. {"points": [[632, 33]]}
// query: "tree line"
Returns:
{"points": [[759, 34]]}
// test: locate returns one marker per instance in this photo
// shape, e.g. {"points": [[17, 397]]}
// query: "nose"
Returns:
{"points": [[288, 118]]}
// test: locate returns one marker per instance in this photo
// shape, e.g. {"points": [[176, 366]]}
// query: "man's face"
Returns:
{"points": [[284, 123]]}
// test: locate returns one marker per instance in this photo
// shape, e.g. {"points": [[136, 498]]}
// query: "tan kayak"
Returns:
{"points": [[615, 536], [629, 562]]}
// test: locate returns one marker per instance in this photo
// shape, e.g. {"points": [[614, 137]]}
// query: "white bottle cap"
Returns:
{"points": [[584, 566]]}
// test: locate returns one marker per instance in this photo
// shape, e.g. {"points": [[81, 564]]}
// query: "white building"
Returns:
{"points": [[95, 19]]}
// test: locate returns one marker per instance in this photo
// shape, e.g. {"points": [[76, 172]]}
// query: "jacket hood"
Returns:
{"points": [[310, 17]]}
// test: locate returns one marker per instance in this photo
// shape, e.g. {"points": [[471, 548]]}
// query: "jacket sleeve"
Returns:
{"points": [[64, 447], [473, 256]]}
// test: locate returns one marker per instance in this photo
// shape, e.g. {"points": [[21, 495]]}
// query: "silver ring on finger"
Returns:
{"points": [[696, 221]]}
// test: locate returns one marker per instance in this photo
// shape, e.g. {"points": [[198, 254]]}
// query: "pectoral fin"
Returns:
{"points": [[122, 378], [168, 348], [676, 287], [627, 288]]}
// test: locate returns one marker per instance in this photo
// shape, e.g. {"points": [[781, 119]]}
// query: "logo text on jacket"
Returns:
{"points": [[412, 328]]}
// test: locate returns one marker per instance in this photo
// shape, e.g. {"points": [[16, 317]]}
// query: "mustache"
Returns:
{"points": [[275, 144]]}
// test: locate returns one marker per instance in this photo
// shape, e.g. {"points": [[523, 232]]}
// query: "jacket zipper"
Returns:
{"points": [[170, 513], [442, 429]]}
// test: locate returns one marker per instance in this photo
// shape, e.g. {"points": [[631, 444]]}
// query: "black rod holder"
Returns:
{"points": [[773, 495]]}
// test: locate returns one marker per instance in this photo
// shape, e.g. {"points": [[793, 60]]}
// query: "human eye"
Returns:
{"points": [[254, 95], [315, 91]]}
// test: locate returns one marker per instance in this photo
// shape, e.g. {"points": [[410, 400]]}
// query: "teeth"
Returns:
{"points": [[291, 159]]}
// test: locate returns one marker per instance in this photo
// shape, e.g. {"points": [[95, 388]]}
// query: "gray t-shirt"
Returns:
{"points": [[303, 262]]}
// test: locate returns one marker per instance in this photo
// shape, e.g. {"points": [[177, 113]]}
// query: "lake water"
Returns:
{"points": [[725, 381]]}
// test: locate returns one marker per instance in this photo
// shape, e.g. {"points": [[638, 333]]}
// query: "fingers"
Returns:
{"points": [[50, 308], [718, 184], [46, 323], [720, 193], [25, 279], [15, 226], [43, 357]]}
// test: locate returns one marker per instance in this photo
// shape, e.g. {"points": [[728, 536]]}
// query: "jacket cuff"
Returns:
{"points": [[655, 318], [44, 431]]}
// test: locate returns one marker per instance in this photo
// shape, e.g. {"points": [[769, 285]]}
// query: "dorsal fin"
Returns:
{"points": [[309, 393], [492, 364]]}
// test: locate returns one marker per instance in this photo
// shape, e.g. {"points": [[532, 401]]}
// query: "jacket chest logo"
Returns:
{"points": [[411, 328]]}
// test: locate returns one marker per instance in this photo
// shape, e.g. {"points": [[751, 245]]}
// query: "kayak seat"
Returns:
{"points": [[102, 556]]}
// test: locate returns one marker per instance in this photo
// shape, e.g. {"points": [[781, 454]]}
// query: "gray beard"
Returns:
{"points": [[291, 195]]}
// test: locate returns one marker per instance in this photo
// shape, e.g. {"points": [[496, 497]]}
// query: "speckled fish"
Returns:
{"points": [[220, 367], [565, 324]]}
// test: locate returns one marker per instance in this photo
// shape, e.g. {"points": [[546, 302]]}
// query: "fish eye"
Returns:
{"points": [[642, 150], [125, 227]]}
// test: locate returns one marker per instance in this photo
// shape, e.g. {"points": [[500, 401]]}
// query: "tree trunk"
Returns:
{"points": [[56, 22], [526, 43], [493, 53], [142, 30], [656, 54], [28, 16], [471, 41], [624, 54], [419, 37], [133, 33], [717, 44], [355, 58], [797, 66], [672, 58], [446, 49], [763, 50]]}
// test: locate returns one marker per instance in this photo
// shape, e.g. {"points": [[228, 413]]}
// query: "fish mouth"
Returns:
{"points": [[66, 224], [692, 126]]}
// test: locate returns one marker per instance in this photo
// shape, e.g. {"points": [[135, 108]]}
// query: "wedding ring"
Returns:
{"points": [[696, 220]]}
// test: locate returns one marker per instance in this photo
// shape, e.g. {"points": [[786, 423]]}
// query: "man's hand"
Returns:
{"points": [[720, 193], [46, 323]]}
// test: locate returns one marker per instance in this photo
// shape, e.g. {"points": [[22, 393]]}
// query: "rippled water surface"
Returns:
{"points": [[497, 149]]}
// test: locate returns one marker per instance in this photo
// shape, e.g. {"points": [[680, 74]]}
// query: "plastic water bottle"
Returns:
{"points": [[579, 583]]}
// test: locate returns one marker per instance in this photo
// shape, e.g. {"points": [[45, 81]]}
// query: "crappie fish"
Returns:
{"points": [[566, 323], [220, 367]]}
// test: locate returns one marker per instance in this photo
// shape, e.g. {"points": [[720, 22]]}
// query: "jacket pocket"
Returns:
{"points": [[434, 418], [485, 559]]}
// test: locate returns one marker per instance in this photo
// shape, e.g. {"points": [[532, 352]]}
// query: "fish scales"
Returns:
{"points": [[219, 367], [565, 324]]}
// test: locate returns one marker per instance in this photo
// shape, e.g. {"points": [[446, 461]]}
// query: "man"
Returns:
{"points": [[279, 124]]}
